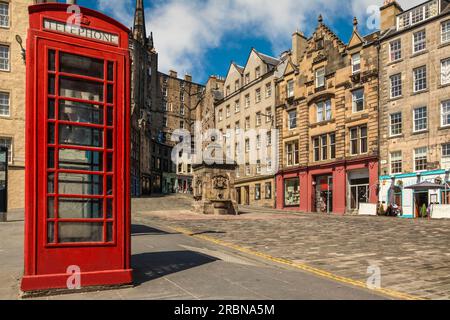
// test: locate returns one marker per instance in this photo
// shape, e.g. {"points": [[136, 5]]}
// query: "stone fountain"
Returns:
{"points": [[214, 191]]}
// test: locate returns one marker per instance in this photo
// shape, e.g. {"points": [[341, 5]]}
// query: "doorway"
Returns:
{"points": [[247, 195], [238, 196], [421, 203], [324, 194]]}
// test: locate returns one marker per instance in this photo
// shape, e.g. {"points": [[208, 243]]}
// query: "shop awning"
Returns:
{"points": [[426, 186]]}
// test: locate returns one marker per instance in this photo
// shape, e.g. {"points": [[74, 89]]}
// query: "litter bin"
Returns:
{"points": [[3, 184]]}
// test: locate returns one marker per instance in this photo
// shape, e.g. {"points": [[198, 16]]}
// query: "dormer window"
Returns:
{"points": [[356, 63], [258, 72], [417, 15], [247, 78], [236, 85]]}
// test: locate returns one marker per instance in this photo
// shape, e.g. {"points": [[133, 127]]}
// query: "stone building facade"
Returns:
{"points": [[327, 116], [144, 66], [13, 21], [181, 98], [249, 103], [415, 104]]}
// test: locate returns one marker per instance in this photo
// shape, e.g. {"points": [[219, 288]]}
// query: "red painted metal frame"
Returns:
{"points": [[103, 263]]}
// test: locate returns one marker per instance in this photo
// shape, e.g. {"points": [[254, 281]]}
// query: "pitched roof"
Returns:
{"points": [[268, 59], [239, 68]]}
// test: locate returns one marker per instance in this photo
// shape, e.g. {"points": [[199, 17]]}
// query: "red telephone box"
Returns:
{"points": [[77, 218]]}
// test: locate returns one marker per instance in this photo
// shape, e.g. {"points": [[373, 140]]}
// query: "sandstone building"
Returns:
{"points": [[415, 104], [327, 115], [181, 98], [13, 21], [249, 103]]}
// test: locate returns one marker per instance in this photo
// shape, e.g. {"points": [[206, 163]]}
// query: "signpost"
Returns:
{"points": [[77, 215]]}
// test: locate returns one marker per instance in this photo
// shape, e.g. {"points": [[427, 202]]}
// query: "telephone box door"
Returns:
{"points": [[80, 136]]}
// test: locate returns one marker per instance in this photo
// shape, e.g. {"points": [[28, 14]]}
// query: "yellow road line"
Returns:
{"points": [[301, 266]]}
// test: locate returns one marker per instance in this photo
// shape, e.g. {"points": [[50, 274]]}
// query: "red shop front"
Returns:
{"points": [[77, 221], [336, 188]]}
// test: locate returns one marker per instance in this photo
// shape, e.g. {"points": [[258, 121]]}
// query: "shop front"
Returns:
{"points": [[184, 184], [337, 188], [169, 182], [415, 192]]}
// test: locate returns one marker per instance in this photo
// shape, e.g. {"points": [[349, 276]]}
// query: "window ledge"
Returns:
{"points": [[420, 92], [399, 136], [394, 62], [444, 127], [445, 85], [420, 132], [417, 54], [395, 98], [445, 44]]}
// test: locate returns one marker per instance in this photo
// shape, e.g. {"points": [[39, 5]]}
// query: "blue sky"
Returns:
{"points": [[202, 37]]}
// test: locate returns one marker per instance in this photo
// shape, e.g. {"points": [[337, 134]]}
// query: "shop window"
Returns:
{"points": [[257, 192], [292, 192], [268, 190]]}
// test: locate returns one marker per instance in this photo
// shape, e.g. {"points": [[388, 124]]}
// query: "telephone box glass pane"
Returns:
{"points": [[80, 232], [80, 112], [109, 208], [109, 139], [84, 66], [51, 60], [81, 89], [51, 109], [51, 232], [109, 232], [80, 136], [80, 160], [51, 133], [109, 185], [109, 159], [50, 208], [110, 116], [70, 208], [110, 94], [51, 158], [110, 71], [80, 184], [51, 84], [51, 183]]}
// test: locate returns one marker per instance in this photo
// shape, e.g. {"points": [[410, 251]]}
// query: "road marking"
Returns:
{"points": [[301, 266]]}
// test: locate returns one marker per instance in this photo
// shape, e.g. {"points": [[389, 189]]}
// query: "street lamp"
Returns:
{"points": [[23, 51]]}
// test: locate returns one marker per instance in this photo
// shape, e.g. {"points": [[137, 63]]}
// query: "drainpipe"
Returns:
{"points": [[379, 115]]}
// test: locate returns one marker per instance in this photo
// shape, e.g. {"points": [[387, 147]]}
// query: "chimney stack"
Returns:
{"points": [[299, 43], [188, 77], [71, 1], [173, 74], [388, 14]]}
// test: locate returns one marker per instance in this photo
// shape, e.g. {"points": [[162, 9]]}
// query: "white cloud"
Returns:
{"points": [[122, 10], [185, 30]]}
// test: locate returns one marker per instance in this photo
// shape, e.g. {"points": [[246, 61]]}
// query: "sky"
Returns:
{"points": [[202, 37]]}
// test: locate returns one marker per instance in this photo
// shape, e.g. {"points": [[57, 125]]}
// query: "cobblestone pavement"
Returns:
{"points": [[170, 265], [413, 255]]}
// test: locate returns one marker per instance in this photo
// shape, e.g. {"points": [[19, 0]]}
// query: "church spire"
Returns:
{"points": [[139, 32]]}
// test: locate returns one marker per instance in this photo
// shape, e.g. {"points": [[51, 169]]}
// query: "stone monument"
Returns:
{"points": [[214, 191]]}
